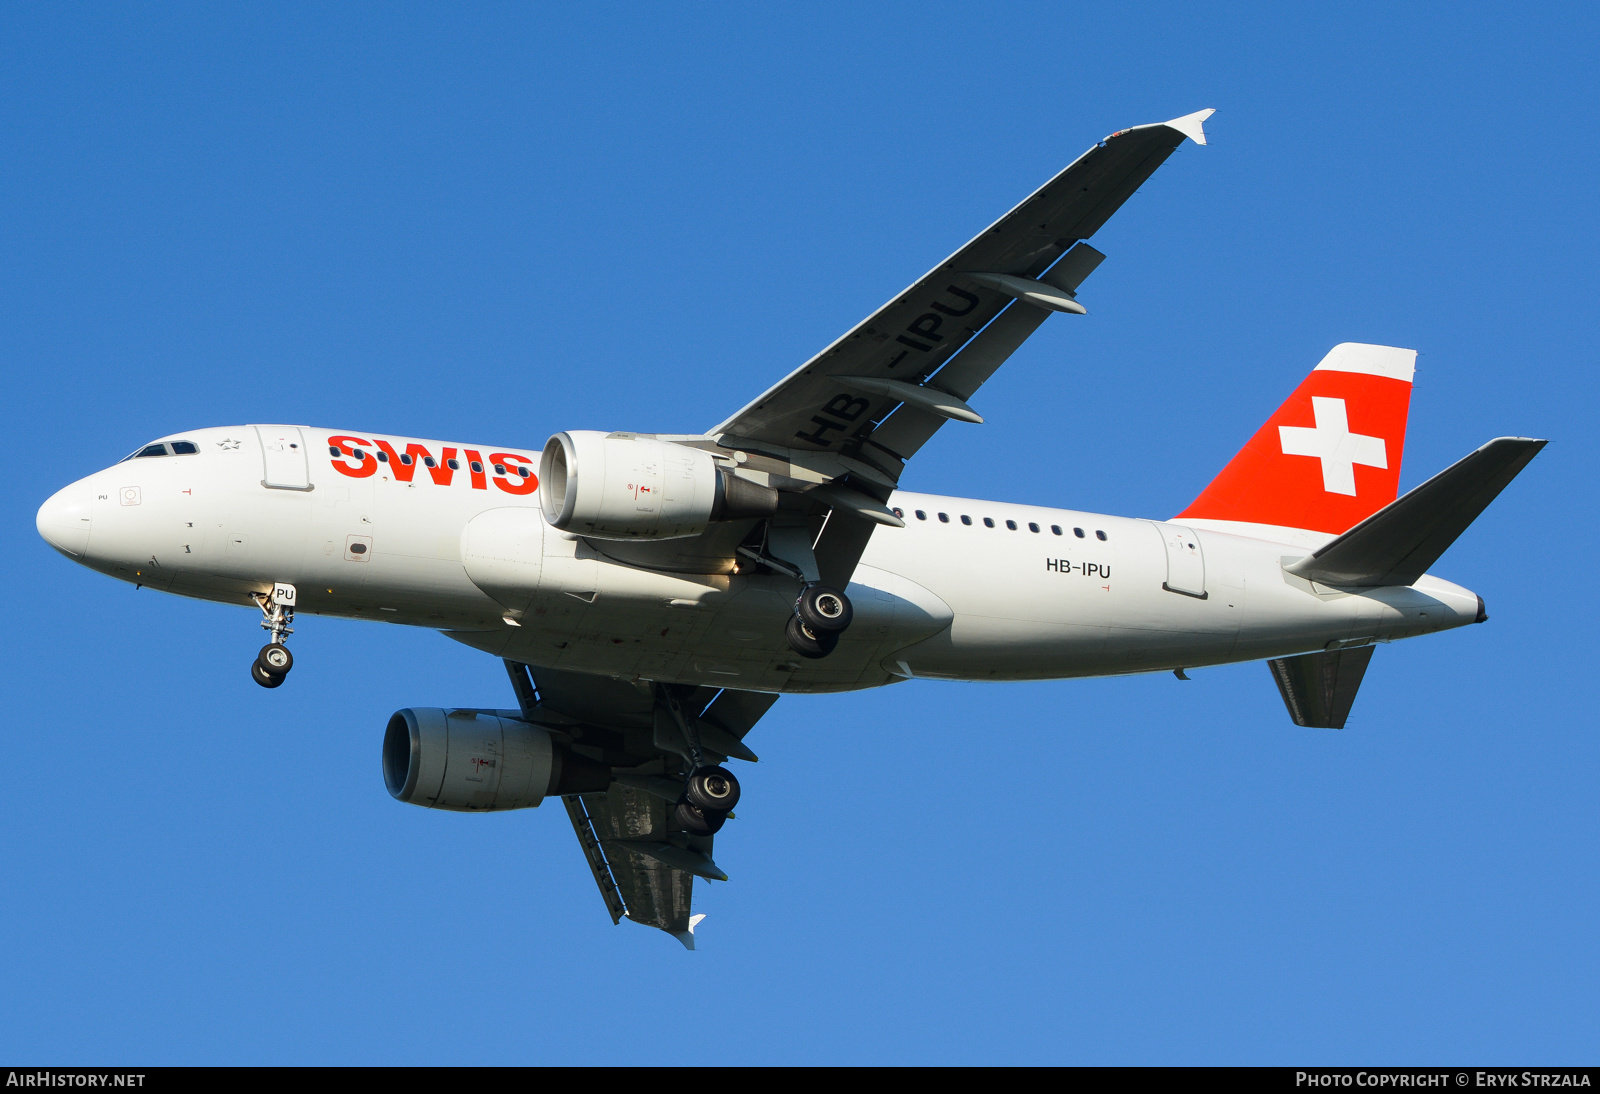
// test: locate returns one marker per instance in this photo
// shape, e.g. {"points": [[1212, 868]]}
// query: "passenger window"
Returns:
{"points": [[184, 448], [1078, 532], [333, 450], [921, 515], [1056, 528], [1032, 527], [899, 513], [1098, 534], [944, 518], [454, 465], [405, 458], [1011, 524], [151, 450], [499, 469], [430, 461], [988, 522], [524, 472], [477, 467], [965, 519], [383, 457]]}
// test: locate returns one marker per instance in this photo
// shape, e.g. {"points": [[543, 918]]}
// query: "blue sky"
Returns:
{"points": [[497, 222]]}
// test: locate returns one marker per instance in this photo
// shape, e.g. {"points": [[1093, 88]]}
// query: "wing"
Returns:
{"points": [[833, 437], [642, 860], [981, 303]]}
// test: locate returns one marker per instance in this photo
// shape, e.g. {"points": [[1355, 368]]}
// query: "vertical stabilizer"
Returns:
{"points": [[1330, 457]]}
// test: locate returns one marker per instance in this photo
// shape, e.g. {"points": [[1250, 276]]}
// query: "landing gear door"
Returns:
{"points": [[283, 457], [1186, 562]]}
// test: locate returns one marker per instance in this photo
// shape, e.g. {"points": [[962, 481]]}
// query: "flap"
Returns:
{"points": [[629, 823]]}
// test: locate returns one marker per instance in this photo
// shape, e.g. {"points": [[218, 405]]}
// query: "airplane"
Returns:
{"points": [[652, 595]]}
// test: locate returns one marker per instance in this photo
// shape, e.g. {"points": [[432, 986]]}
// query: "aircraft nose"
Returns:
{"points": [[64, 520]]}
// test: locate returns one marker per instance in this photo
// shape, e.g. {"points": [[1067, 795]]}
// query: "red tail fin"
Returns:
{"points": [[1330, 457]]}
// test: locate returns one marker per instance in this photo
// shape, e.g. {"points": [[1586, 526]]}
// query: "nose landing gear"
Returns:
{"points": [[274, 661], [820, 616]]}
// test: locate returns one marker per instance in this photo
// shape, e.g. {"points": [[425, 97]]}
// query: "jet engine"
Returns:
{"points": [[627, 487], [476, 761]]}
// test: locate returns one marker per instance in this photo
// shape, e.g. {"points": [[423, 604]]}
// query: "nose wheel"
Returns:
{"points": [[273, 663], [263, 677], [821, 615]]}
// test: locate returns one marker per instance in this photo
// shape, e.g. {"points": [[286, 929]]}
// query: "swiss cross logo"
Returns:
{"points": [[1332, 442]]}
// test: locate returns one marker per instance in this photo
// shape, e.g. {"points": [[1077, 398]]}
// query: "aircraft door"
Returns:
{"points": [[1186, 562], [283, 457]]}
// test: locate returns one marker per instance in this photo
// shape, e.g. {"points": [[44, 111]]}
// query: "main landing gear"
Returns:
{"points": [[820, 616], [709, 795], [709, 791], [274, 661]]}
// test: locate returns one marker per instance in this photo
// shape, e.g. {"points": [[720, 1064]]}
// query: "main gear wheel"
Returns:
{"points": [[823, 610], [807, 642], [712, 789], [696, 821]]}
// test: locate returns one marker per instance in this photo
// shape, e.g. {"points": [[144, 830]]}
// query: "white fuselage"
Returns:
{"points": [[941, 597]]}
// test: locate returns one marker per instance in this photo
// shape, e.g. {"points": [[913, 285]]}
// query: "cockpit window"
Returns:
{"points": [[178, 448]]}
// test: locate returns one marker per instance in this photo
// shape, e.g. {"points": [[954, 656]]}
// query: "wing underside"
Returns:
{"points": [[642, 859]]}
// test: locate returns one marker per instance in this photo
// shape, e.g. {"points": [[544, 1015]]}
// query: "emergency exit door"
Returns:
{"points": [[283, 457], [1186, 562]]}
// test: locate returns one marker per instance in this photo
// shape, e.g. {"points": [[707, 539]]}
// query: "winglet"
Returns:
{"points": [[1190, 124], [687, 937]]}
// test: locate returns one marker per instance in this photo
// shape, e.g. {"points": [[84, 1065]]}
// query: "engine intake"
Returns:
{"points": [[623, 486], [475, 761]]}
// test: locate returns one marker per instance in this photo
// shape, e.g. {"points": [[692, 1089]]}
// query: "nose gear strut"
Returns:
{"points": [[274, 661]]}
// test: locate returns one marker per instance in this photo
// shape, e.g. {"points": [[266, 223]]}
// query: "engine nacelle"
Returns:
{"points": [[623, 486], [474, 761]]}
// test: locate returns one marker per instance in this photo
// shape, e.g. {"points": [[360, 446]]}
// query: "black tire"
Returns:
{"points": [[263, 677], [712, 790], [824, 610], [275, 660], [695, 822], [808, 643]]}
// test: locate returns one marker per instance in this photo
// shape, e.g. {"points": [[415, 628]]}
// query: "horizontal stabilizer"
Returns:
{"points": [[1397, 544], [1318, 688]]}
